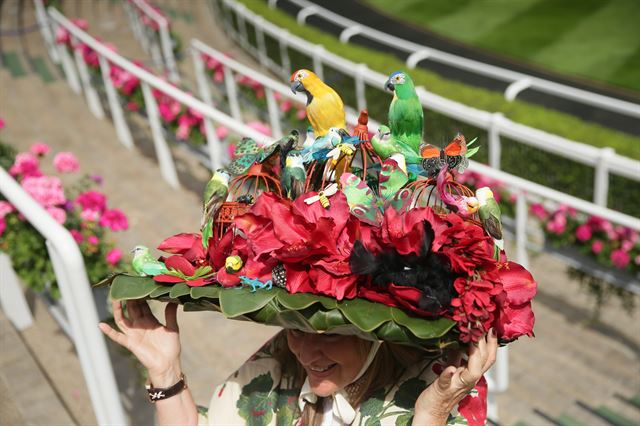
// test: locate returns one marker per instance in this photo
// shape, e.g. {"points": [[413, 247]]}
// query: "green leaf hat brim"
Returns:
{"points": [[302, 311]]}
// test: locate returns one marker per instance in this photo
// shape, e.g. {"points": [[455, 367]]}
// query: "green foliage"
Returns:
{"points": [[7, 155], [257, 402], [298, 311], [409, 392], [601, 292]]}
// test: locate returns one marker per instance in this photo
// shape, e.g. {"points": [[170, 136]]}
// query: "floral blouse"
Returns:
{"points": [[258, 394]]}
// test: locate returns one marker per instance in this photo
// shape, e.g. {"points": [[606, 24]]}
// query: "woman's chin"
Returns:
{"points": [[323, 388]]}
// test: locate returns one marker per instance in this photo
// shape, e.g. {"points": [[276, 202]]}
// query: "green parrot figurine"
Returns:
{"points": [[144, 264], [215, 193], [293, 176], [385, 145], [489, 212], [406, 118]]}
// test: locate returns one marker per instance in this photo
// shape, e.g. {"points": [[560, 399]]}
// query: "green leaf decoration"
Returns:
{"points": [[408, 393], [179, 290], [372, 407], [257, 401], [326, 320], [366, 315], [405, 419], [208, 291], [241, 300], [296, 301], [295, 320], [127, 287], [423, 328], [160, 291]]}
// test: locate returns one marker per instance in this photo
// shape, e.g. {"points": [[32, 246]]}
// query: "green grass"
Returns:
{"points": [[594, 39], [535, 116]]}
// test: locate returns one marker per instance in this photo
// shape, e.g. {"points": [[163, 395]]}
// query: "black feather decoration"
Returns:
{"points": [[429, 272]]}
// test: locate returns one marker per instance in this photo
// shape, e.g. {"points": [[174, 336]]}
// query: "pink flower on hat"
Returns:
{"points": [[66, 162]]}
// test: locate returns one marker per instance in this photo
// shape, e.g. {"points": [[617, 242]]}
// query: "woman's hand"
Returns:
{"points": [[454, 383], [156, 346]]}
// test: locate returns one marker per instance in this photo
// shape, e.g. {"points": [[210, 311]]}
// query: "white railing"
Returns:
{"points": [[519, 81], [604, 160], [157, 43], [45, 30], [148, 82], [78, 301]]}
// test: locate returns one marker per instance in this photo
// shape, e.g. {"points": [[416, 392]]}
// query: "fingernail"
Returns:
{"points": [[493, 332]]}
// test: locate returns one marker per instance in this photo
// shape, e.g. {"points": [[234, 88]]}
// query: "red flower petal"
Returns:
{"points": [[517, 282], [163, 278], [181, 264], [474, 407], [179, 243]]}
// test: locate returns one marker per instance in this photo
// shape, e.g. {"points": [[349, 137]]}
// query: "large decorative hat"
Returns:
{"points": [[340, 234]]}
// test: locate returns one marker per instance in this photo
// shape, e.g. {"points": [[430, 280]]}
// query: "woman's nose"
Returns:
{"points": [[308, 349]]}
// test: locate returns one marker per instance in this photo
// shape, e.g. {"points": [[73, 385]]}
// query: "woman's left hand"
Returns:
{"points": [[454, 383]]}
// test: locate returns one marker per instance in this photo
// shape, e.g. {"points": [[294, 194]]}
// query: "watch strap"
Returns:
{"points": [[157, 394]]}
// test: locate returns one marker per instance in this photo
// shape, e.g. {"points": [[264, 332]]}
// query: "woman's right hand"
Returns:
{"points": [[155, 345]]}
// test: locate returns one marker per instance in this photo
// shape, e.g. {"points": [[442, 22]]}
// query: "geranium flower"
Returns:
{"points": [[66, 162], [25, 165], [537, 210], [93, 240], [89, 215], [3, 225], [46, 190], [40, 149], [114, 256], [58, 214], [597, 246], [260, 127], [77, 235], [620, 258], [181, 270], [115, 220], [583, 233], [515, 316], [5, 208], [92, 200]]}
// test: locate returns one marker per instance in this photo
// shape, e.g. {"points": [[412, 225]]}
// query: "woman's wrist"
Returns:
{"points": [[165, 378]]}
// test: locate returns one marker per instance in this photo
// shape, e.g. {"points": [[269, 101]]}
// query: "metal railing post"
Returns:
{"points": [[89, 91], [163, 153], [45, 30], [284, 54], [242, 30], [77, 298], [601, 177], [495, 148], [232, 93], [263, 57], [117, 114], [154, 47], [361, 90], [522, 214], [214, 146], [318, 53], [167, 51], [274, 113], [69, 69]]}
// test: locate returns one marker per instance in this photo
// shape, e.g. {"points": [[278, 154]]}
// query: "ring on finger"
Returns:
{"points": [[464, 382]]}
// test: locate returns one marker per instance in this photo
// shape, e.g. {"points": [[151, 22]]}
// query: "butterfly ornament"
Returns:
{"points": [[455, 155]]}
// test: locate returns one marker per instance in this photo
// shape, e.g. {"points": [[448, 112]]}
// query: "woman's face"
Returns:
{"points": [[330, 361]]}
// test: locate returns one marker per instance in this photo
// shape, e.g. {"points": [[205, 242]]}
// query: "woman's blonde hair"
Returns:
{"points": [[386, 368]]}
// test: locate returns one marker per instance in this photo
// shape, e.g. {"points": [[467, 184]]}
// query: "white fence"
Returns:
{"points": [[604, 160], [148, 82], [519, 81], [77, 298], [157, 43]]}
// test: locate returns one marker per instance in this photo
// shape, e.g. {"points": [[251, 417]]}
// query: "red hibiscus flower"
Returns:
{"points": [[187, 245], [515, 316]]}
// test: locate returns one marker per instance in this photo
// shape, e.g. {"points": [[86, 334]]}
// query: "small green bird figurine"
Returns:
{"points": [[293, 176], [385, 145], [144, 264], [215, 193], [489, 212], [406, 117]]}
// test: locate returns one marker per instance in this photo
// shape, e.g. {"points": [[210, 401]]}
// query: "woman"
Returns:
{"points": [[332, 377]]}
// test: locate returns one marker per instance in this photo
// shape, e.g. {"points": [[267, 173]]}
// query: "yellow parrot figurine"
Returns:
{"points": [[324, 106]]}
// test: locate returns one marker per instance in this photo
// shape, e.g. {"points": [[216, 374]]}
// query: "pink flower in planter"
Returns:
{"points": [[80, 23], [3, 226], [222, 132], [66, 162], [301, 114], [538, 210], [58, 214], [184, 127], [637, 260], [583, 233], [620, 258], [115, 220], [26, 164], [2, 124], [62, 36], [597, 246], [260, 127], [93, 240], [5, 208], [90, 215], [132, 106], [626, 245], [40, 149], [286, 105], [46, 190], [113, 257], [169, 110], [77, 235], [92, 200], [558, 224], [89, 55]]}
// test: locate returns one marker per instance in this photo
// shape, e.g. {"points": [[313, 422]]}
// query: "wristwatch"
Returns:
{"points": [[157, 394]]}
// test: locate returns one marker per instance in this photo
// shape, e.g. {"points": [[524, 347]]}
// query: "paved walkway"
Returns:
{"points": [[568, 361]]}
